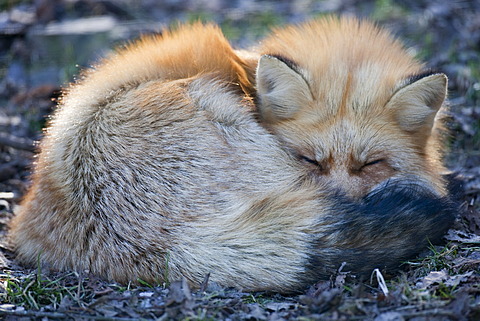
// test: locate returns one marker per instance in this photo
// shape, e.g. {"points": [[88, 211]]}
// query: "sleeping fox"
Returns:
{"points": [[269, 168]]}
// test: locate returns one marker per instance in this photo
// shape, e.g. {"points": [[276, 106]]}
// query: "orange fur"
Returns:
{"points": [[158, 163], [352, 69], [186, 51]]}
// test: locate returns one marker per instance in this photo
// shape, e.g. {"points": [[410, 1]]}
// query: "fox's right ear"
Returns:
{"points": [[417, 103], [281, 90]]}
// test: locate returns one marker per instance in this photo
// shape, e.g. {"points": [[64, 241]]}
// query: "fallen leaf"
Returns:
{"points": [[179, 293], [145, 294], [460, 305], [432, 278], [463, 237], [389, 316], [455, 280], [279, 306]]}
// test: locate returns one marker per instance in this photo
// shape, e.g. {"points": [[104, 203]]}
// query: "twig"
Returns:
{"points": [[430, 313], [17, 142], [204, 285], [404, 311], [61, 315]]}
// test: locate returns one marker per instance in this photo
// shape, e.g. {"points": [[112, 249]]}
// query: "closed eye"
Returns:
{"points": [[309, 160], [373, 162], [319, 167]]}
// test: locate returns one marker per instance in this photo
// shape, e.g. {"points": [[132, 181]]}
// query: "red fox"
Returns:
{"points": [[268, 169]]}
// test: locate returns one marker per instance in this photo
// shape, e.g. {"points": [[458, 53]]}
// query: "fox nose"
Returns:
{"points": [[350, 185]]}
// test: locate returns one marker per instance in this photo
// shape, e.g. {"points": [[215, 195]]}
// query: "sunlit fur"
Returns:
{"points": [[161, 163], [352, 69]]}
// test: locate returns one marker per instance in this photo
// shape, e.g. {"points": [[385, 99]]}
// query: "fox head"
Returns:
{"points": [[349, 131]]}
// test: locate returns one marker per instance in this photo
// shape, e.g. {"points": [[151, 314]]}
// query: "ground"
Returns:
{"points": [[44, 43]]}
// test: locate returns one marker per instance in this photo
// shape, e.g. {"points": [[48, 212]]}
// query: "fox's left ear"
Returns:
{"points": [[416, 104], [281, 89]]}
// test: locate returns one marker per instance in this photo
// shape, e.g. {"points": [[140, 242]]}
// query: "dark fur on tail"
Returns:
{"points": [[389, 226]]}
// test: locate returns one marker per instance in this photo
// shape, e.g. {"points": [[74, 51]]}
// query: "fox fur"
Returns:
{"points": [[179, 156]]}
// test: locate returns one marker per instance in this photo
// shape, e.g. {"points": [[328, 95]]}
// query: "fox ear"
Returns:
{"points": [[281, 90], [417, 103]]}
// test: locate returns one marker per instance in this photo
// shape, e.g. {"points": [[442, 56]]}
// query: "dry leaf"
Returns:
{"points": [[462, 237], [434, 277]]}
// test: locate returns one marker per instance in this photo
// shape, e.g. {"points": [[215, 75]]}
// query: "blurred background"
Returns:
{"points": [[44, 44]]}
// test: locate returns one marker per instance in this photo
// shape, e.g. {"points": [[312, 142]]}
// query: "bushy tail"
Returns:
{"points": [[389, 226]]}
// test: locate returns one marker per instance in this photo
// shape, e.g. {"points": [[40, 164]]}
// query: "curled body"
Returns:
{"points": [[179, 156]]}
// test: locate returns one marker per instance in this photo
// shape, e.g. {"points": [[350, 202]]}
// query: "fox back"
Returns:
{"points": [[179, 157]]}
